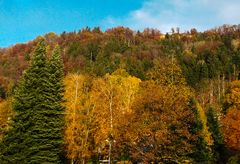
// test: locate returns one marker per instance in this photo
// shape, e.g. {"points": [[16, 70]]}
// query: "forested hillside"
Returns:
{"points": [[122, 95]]}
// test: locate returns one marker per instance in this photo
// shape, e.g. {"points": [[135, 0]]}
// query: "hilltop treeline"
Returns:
{"points": [[129, 95]]}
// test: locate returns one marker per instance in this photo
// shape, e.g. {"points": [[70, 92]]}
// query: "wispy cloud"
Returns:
{"points": [[186, 14]]}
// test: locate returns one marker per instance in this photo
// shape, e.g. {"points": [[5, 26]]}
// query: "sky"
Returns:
{"points": [[24, 20]]}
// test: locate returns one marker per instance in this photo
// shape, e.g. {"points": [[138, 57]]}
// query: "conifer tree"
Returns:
{"points": [[214, 127], [36, 134], [56, 93], [202, 152]]}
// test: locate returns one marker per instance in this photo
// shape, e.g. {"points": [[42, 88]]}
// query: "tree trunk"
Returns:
{"points": [[211, 92], [219, 89], [223, 85]]}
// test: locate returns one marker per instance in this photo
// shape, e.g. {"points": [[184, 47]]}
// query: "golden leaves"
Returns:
{"points": [[205, 131], [167, 72], [77, 116], [112, 96], [6, 114], [98, 109], [233, 96]]}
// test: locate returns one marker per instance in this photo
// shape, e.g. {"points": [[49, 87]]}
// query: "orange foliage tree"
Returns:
{"points": [[231, 120], [160, 124]]}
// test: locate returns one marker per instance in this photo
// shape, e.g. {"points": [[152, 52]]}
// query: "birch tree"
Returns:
{"points": [[78, 118]]}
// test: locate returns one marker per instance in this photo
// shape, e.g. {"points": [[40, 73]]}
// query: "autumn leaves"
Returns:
{"points": [[121, 117], [231, 120], [95, 111]]}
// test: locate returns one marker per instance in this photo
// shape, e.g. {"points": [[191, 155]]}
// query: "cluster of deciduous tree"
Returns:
{"points": [[136, 96], [120, 117]]}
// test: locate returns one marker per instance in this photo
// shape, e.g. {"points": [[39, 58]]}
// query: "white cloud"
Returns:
{"points": [[186, 14]]}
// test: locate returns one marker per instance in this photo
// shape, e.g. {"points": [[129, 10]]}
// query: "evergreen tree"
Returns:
{"points": [[214, 127], [56, 93], [36, 133], [202, 152]]}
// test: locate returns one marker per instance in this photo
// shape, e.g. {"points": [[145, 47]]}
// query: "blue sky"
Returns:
{"points": [[23, 20]]}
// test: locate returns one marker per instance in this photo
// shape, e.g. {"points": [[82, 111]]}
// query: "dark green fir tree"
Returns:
{"points": [[218, 147], [56, 93], [202, 153], [36, 134]]}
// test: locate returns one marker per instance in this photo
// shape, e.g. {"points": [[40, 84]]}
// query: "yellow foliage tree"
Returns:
{"points": [[233, 95], [167, 72], [207, 136], [112, 97], [78, 118]]}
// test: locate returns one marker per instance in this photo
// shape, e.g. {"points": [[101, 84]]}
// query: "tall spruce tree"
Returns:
{"points": [[56, 93], [218, 147], [36, 135], [202, 153]]}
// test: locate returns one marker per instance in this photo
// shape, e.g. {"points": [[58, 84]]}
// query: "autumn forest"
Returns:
{"points": [[122, 96]]}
